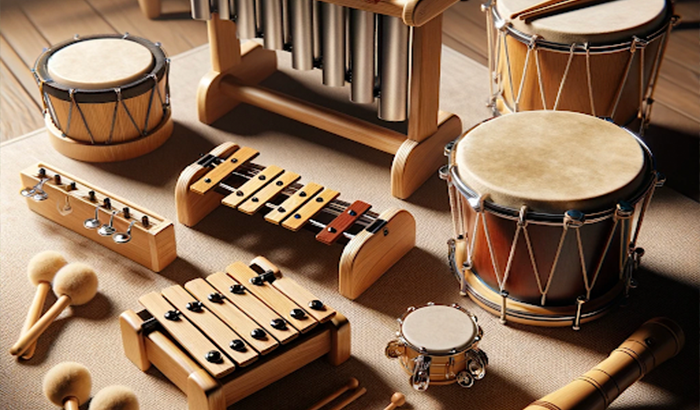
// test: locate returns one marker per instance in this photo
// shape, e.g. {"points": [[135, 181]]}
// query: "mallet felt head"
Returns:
{"points": [[115, 398], [44, 265], [66, 380], [77, 281]]}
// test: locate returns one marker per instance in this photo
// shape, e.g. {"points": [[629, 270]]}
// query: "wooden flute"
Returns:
{"points": [[652, 344]]}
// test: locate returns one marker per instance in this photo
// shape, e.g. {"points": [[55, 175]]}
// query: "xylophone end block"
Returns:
{"points": [[192, 207], [340, 340], [371, 253], [133, 339], [204, 392], [415, 161], [256, 64]]}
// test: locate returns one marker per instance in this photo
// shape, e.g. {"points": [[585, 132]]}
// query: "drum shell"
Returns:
{"points": [[607, 73], [567, 281], [97, 115], [443, 368]]}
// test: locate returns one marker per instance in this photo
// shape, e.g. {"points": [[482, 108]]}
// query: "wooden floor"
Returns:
{"points": [[28, 26]]}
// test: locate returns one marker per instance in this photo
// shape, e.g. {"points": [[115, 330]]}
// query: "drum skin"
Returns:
{"points": [[112, 114], [608, 63]]}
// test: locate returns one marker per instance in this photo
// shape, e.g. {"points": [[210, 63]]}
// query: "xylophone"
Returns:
{"points": [[388, 50], [225, 337], [374, 242]]}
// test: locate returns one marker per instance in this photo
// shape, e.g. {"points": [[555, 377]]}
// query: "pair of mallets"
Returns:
{"points": [[68, 385], [73, 283]]}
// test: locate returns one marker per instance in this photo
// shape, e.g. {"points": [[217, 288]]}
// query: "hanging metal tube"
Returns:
{"points": [[273, 30], [393, 69], [302, 34], [362, 56], [333, 44], [245, 20], [201, 9], [224, 9]]}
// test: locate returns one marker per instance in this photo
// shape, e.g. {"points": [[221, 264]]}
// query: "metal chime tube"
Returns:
{"points": [[245, 11], [362, 56], [201, 10], [333, 44], [316, 28], [224, 9], [302, 34], [258, 17], [273, 30], [393, 69], [286, 30]]}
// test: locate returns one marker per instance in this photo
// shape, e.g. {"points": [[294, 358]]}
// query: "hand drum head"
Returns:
{"points": [[439, 328]]}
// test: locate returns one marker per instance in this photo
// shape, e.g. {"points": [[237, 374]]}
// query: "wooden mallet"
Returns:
{"points": [[68, 385], [351, 384], [397, 400], [115, 398], [75, 284], [41, 270]]}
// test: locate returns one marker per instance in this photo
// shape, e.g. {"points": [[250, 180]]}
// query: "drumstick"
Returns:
{"points": [[560, 7], [351, 384], [539, 5], [655, 342], [115, 398], [75, 284], [41, 270], [352, 398], [397, 400], [68, 385]]}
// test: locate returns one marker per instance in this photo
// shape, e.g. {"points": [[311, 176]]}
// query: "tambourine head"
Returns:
{"points": [[394, 349]]}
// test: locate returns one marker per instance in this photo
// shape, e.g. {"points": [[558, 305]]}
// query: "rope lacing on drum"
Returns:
{"points": [[645, 109], [118, 92], [510, 74], [71, 93], [167, 85], [150, 102], [531, 46], [48, 106], [486, 8], [589, 78], [572, 50], [128, 113], [623, 84], [540, 83]]}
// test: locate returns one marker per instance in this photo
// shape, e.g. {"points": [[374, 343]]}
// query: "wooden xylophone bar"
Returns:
{"points": [[222, 338], [373, 241]]}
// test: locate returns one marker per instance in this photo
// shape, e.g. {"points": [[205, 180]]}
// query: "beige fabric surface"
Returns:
{"points": [[525, 363]]}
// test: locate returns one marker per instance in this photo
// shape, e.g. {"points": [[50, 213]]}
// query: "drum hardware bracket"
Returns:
{"points": [[376, 226]]}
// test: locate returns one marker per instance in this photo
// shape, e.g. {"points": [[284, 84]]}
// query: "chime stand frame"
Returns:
{"points": [[237, 69]]}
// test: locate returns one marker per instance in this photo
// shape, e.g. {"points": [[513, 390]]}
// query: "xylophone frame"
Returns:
{"points": [[145, 345], [237, 69], [365, 258]]}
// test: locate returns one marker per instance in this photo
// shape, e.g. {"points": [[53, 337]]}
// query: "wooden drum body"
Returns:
{"points": [[601, 60], [547, 207], [437, 344], [106, 97]]}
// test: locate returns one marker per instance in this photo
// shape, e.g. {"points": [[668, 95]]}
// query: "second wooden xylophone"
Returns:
{"points": [[373, 242], [222, 338]]}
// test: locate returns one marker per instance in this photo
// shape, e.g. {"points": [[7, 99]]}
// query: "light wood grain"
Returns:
{"points": [[369, 255], [271, 297], [150, 8], [153, 246], [253, 204], [187, 335], [293, 290], [17, 104], [302, 215], [33, 333], [252, 186], [193, 207], [223, 170], [291, 204], [351, 384], [652, 344], [34, 313], [133, 340], [210, 325], [231, 315], [253, 307]]}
